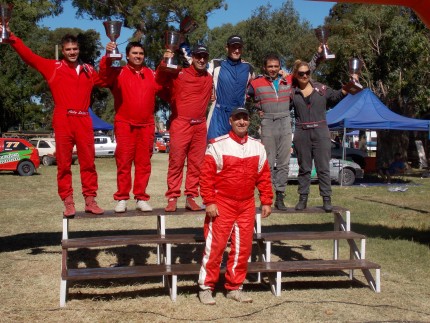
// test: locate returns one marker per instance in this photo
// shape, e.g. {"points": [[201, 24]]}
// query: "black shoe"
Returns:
{"points": [[327, 204], [303, 201], [279, 202]]}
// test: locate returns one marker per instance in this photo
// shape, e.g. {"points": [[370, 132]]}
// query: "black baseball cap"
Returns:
{"points": [[234, 39], [200, 49], [238, 110]]}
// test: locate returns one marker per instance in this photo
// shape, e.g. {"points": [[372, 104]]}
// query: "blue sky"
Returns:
{"points": [[238, 10]]}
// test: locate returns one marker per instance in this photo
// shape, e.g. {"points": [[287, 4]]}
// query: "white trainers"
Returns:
{"points": [[143, 206], [121, 206], [239, 296], [206, 297]]}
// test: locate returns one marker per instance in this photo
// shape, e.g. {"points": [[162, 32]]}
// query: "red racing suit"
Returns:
{"points": [[134, 94], [232, 168], [71, 90], [189, 95]]}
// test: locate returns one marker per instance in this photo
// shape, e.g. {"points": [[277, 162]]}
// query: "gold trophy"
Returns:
{"points": [[322, 34], [6, 13], [353, 86], [113, 31]]}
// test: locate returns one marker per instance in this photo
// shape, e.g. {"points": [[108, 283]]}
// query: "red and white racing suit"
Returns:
{"points": [[232, 168], [134, 94], [189, 95], [71, 90]]}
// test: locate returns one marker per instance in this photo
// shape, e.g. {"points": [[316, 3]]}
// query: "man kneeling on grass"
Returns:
{"points": [[234, 165]]}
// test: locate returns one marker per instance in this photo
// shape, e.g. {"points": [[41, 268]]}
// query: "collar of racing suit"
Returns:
{"points": [[232, 62], [194, 72], [133, 70], [239, 140]]}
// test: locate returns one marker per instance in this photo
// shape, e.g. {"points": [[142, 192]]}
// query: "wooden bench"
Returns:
{"points": [[169, 271], [273, 269], [269, 237]]}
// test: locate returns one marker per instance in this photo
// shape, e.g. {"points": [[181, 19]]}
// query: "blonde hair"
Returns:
{"points": [[299, 63]]}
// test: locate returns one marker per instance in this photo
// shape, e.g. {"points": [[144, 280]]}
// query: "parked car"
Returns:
{"points": [[104, 146], [341, 171], [18, 155], [47, 150], [160, 145], [356, 155]]}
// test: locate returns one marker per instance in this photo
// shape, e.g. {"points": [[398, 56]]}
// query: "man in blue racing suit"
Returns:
{"points": [[231, 77]]}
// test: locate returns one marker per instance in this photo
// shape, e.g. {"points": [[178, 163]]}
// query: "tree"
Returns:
{"points": [[25, 98], [278, 31], [150, 18], [16, 80], [395, 48]]}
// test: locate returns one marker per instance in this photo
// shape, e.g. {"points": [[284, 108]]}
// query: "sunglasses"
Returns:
{"points": [[201, 55], [301, 74]]}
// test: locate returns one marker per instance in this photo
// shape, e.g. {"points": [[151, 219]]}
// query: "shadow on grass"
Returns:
{"points": [[36, 241], [79, 291], [367, 199]]}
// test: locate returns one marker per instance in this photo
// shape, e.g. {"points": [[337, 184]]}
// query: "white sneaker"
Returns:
{"points": [[121, 206], [143, 206], [239, 296]]}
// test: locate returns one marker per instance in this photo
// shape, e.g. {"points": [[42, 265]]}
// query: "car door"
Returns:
{"points": [[46, 148]]}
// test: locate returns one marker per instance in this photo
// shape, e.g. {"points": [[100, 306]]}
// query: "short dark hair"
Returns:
{"points": [[69, 38], [271, 57], [133, 44]]}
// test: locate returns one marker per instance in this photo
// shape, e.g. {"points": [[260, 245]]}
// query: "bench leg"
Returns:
{"points": [[275, 280], [65, 228], [378, 280], [257, 228], [173, 287], [268, 250], [278, 283], [375, 285], [63, 293]]}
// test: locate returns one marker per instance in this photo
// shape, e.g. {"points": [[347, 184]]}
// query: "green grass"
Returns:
{"points": [[397, 226]]}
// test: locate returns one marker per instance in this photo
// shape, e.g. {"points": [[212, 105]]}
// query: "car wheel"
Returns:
{"points": [[46, 161], [26, 168], [348, 177]]}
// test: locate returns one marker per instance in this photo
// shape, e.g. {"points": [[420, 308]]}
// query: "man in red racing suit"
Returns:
{"points": [[234, 165], [71, 83], [134, 88], [189, 94]]}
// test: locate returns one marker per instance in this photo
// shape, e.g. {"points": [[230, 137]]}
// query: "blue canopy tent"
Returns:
{"points": [[365, 111], [99, 124]]}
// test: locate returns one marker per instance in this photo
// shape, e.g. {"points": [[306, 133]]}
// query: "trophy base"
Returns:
{"points": [[115, 56], [352, 87], [171, 68], [5, 41], [329, 56]]}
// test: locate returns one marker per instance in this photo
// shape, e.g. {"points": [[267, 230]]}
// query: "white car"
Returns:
{"points": [[341, 171], [46, 148], [104, 146]]}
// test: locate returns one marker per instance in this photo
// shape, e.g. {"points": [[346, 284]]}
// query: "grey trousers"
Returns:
{"points": [[313, 144], [276, 136]]}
